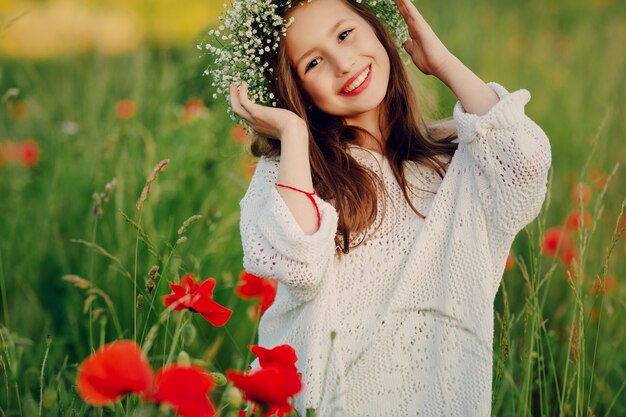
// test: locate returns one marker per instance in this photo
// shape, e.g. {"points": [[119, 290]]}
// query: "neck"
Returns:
{"points": [[369, 121]]}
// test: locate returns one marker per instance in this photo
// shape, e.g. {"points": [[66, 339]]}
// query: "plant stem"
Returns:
{"points": [[43, 366], [5, 304], [91, 275], [134, 303]]}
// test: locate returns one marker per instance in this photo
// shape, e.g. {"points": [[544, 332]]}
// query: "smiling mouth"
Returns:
{"points": [[358, 81]]}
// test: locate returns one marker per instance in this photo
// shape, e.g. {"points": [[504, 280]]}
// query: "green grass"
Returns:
{"points": [[552, 358]]}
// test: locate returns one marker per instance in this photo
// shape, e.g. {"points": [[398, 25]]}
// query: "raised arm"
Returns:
{"points": [[295, 168], [431, 57]]}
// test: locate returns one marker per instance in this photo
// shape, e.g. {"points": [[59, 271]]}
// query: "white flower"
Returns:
{"points": [[236, 54]]}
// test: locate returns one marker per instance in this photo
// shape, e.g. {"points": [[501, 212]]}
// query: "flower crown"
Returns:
{"points": [[252, 28]]}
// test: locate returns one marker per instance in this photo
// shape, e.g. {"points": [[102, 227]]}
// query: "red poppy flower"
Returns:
{"points": [[555, 238], [271, 387], [282, 356], [239, 134], [193, 109], [510, 263], [568, 254], [113, 371], [573, 220], [125, 109], [27, 152], [274, 383], [185, 389], [197, 298], [251, 286]]}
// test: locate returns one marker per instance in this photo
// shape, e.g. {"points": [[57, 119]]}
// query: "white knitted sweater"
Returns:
{"points": [[412, 308]]}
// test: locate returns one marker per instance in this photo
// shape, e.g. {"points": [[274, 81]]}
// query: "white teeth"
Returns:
{"points": [[358, 81]]}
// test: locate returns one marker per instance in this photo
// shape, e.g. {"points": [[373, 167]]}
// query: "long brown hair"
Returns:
{"points": [[337, 176]]}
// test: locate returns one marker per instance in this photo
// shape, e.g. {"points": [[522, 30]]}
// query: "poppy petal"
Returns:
{"points": [[112, 371], [217, 315], [281, 356], [273, 386], [181, 302], [178, 289], [206, 288], [185, 389], [189, 283], [249, 286]]}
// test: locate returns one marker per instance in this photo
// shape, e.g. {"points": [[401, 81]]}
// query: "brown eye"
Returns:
{"points": [[308, 67], [346, 32]]}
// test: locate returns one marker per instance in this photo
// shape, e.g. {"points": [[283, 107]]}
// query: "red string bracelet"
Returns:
{"points": [[310, 195]]}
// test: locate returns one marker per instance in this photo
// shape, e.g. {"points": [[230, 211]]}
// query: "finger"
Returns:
{"points": [[246, 103], [236, 105], [408, 45], [408, 10], [412, 17]]}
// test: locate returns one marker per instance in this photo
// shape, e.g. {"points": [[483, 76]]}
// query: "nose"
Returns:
{"points": [[344, 63]]}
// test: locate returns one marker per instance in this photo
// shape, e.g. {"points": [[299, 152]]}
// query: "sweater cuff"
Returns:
{"points": [[283, 231], [508, 111]]}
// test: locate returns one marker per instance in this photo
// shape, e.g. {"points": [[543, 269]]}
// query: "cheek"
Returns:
{"points": [[315, 88]]}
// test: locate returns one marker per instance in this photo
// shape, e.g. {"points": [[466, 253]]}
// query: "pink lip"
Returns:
{"points": [[360, 88]]}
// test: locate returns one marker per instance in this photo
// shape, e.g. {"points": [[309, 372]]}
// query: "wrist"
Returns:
{"points": [[449, 71], [296, 129]]}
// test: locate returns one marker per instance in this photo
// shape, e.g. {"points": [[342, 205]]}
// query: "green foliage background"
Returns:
{"points": [[569, 55]]}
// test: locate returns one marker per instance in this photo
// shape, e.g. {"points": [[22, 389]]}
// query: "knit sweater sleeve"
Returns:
{"points": [[512, 157], [274, 245]]}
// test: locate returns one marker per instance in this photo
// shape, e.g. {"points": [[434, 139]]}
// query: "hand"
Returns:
{"points": [[268, 121], [426, 50]]}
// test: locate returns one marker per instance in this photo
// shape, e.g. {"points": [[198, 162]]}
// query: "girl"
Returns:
{"points": [[388, 236]]}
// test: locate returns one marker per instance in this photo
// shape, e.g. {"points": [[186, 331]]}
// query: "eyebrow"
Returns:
{"points": [[330, 32]]}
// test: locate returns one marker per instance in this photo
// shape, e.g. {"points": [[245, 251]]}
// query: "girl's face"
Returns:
{"points": [[340, 62]]}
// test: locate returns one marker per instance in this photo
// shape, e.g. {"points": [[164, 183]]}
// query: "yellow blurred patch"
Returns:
{"points": [[45, 29]]}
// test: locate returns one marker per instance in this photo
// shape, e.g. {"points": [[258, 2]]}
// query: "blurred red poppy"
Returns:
{"points": [[606, 285], [598, 178], [240, 135], [27, 152], [274, 383], [125, 109], [556, 238], [251, 286], [581, 193], [197, 298], [193, 109], [112, 371], [510, 263], [185, 389], [574, 220], [568, 254]]}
